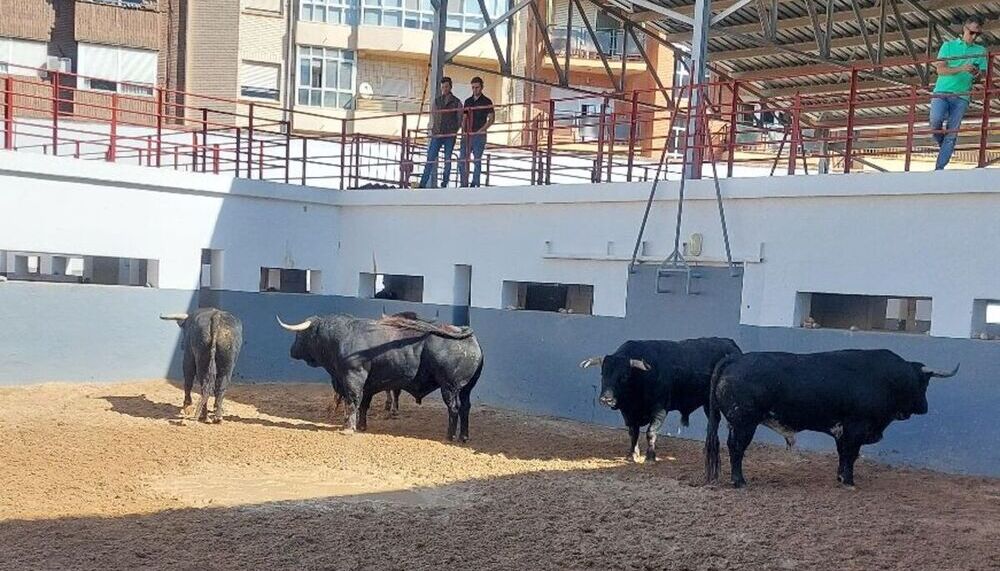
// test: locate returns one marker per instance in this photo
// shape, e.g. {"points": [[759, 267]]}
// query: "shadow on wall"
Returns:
{"points": [[95, 333]]}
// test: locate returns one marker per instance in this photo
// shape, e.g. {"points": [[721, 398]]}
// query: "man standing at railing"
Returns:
{"points": [[446, 117], [960, 63], [479, 117]]}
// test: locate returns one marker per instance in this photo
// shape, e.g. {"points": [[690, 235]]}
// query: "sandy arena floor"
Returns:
{"points": [[107, 477]]}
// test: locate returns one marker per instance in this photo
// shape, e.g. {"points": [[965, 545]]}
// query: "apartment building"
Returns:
{"points": [[328, 60], [125, 46]]}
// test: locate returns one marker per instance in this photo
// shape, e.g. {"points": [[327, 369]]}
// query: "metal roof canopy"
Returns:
{"points": [[777, 48]]}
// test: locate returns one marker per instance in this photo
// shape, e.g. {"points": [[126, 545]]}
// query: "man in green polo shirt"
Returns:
{"points": [[961, 62]]}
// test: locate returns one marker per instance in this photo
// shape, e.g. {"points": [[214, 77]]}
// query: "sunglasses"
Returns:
{"points": [[974, 32]]}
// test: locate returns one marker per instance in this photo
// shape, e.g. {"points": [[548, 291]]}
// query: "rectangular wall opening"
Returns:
{"points": [[289, 280], [986, 319], [897, 314], [79, 269], [391, 286], [556, 297]]}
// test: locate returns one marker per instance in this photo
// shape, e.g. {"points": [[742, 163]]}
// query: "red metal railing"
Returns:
{"points": [[881, 126]]}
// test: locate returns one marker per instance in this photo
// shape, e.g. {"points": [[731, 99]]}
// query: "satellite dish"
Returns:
{"points": [[365, 90]]}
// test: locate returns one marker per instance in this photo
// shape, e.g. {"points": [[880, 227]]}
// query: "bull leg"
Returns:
{"points": [[189, 374], [366, 402], [351, 421], [740, 437], [848, 450], [451, 400], [633, 449], [651, 433], [464, 405]]}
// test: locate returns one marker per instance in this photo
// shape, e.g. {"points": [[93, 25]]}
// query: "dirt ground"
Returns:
{"points": [[108, 477]]}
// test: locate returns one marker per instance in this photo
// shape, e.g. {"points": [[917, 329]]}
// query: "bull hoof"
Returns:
{"points": [[187, 409], [738, 484], [633, 458], [650, 456], [347, 431], [464, 438], [216, 419]]}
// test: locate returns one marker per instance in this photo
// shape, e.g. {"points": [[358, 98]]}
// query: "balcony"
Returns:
{"points": [[583, 52]]}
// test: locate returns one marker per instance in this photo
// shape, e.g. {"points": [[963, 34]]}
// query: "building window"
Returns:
{"points": [[263, 5], [289, 280], [116, 68], [463, 15], [675, 144], [260, 80], [867, 312], [328, 11], [23, 56], [681, 77], [555, 297], [326, 77]]}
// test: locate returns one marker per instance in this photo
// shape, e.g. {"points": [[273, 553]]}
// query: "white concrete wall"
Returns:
{"points": [[62, 205], [916, 234]]}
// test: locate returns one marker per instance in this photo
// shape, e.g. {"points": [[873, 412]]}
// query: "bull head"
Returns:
{"points": [[941, 374]]}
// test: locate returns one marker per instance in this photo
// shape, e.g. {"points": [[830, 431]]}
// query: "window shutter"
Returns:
{"points": [[137, 66], [97, 61], [259, 75], [24, 53]]}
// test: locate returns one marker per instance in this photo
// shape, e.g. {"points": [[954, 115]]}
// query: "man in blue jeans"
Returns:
{"points": [[960, 63], [446, 117], [479, 117]]}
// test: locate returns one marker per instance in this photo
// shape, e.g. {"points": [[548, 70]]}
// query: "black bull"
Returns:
{"points": [[852, 395], [646, 379], [212, 342], [365, 357]]}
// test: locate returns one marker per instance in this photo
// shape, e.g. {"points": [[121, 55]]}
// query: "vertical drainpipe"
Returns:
{"points": [[291, 30]]}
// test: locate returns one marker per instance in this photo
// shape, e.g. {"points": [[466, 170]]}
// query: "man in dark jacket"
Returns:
{"points": [[446, 117]]}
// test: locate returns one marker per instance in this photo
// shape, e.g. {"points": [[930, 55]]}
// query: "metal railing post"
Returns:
{"points": [[204, 139], [793, 151], [849, 143], [549, 140], [55, 113], [403, 171], [600, 141], [249, 143], [8, 112], [984, 128], [159, 124], [343, 151], [215, 158], [910, 118], [304, 151], [288, 149], [633, 134], [113, 145], [733, 128]]}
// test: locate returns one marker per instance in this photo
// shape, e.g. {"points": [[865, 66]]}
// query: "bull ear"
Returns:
{"points": [[639, 364], [591, 362]]}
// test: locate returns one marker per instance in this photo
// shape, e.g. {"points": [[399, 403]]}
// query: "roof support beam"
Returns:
{"points": [[864, 31], [816, 30], [504, 63], [932, 18], [836, 18], [828, 29], [729, 11], [489, 28], [597, 44], [910, 47], [665, 12], [560, 72]]}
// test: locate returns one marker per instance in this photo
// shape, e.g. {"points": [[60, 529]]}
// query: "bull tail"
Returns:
{"points": [[213, 335], [442, 330], [714, 416]]}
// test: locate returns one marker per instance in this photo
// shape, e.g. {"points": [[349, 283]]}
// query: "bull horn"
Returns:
{"points": [[591, 362], [174, 316], [942, 374], [639, 364], [300, 327]]}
